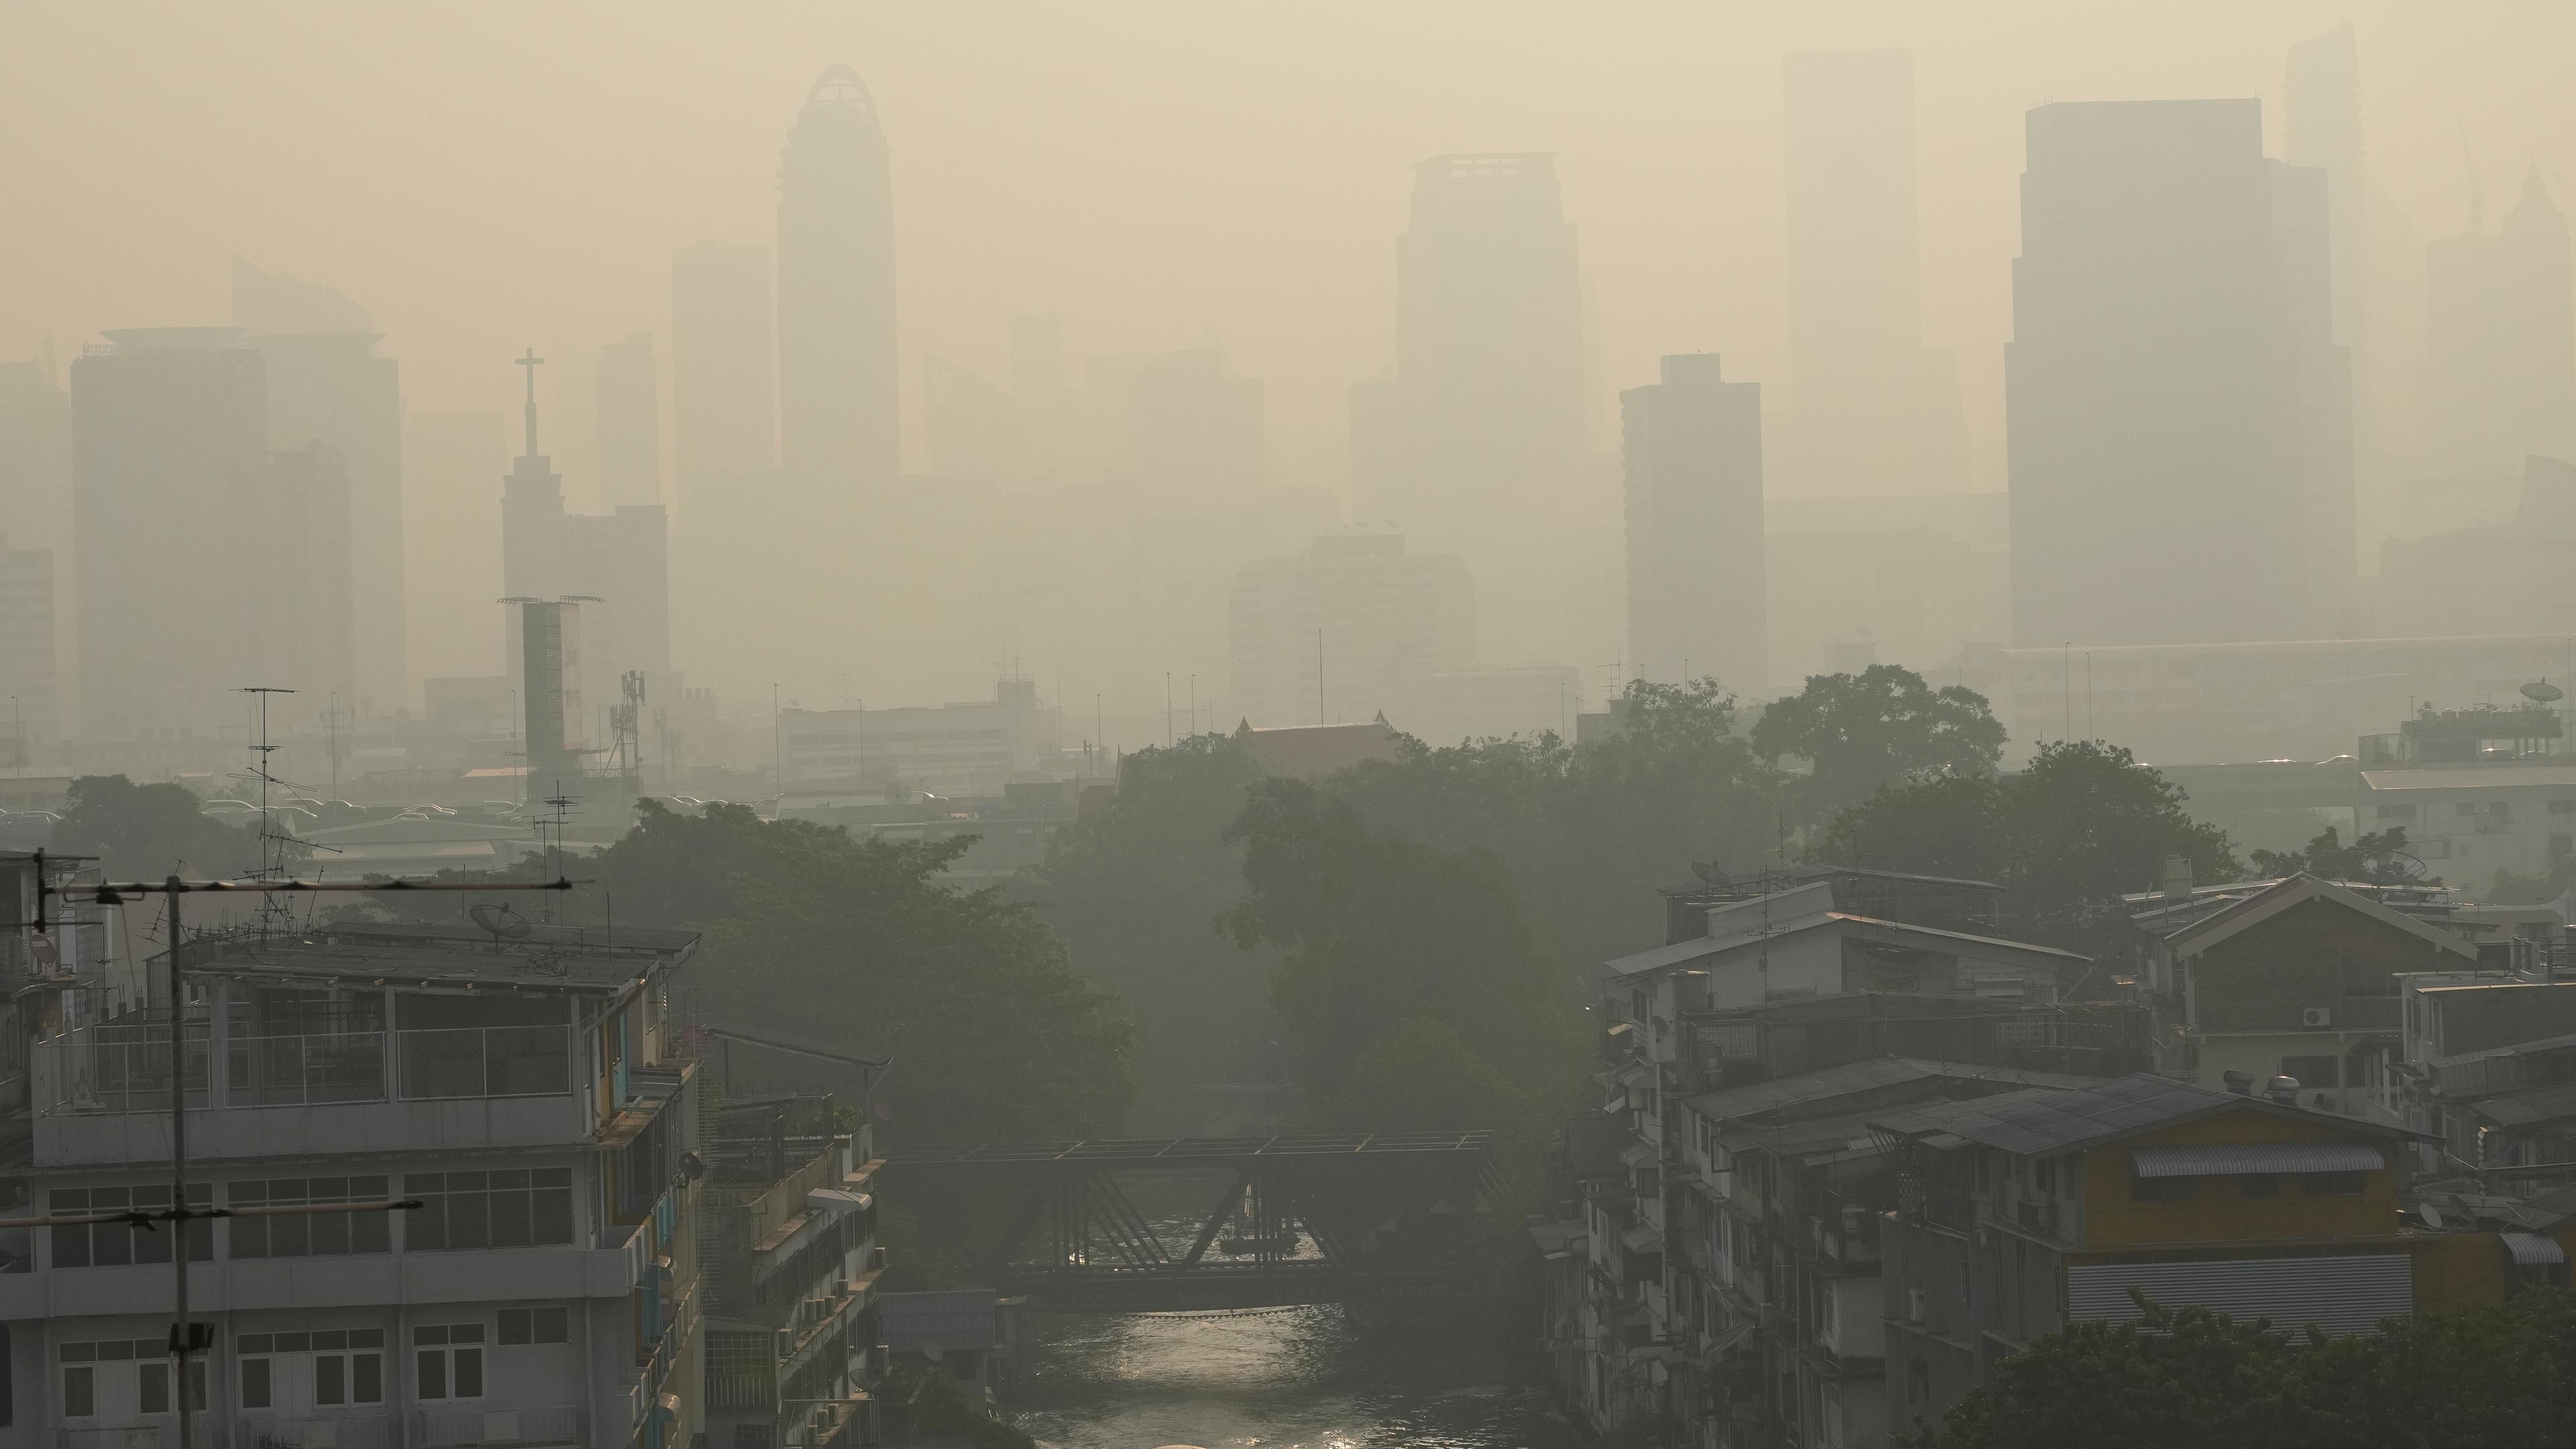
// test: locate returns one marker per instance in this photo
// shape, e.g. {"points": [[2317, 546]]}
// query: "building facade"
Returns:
{"points": [[837, 414], [724, 386], [1697, 596], [1354, 628]]}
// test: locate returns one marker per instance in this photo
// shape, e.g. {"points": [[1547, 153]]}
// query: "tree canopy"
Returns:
{"points": [[2488, 1378], [1863, 732], [2371, 856], [146, 832]]}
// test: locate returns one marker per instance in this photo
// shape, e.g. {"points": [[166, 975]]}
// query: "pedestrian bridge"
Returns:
{"points": [[1203, 1223]]}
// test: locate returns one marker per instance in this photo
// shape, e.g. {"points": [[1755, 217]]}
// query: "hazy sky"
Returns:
{"points": [[484, 176]]}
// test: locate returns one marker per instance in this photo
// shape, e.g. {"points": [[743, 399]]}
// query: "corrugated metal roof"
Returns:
{"points": [[2533, 1249], [2224, 1159], [2338, 1295], [2529, 1108], [2088, 1114]]}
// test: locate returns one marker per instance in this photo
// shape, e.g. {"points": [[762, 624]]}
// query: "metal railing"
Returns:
{"points": [[126, 1068], [302, 1071], [348, 1431], [450, 1428], [484, 1061]]}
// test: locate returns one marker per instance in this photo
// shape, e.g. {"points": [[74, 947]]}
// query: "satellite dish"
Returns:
{"points": [[2541, 691], [2431, 1215], [504, 924]]}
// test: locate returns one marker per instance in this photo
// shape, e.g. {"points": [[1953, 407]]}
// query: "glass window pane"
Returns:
{"points": [[432, 1373], [509, 1218], [367, 1378], [250, 1343], [429, 1333], [294, 1343], [552, 1213], [80, 1392], [111, 1244], [370, 1232], [469, 1223], [368, 1189], [330, 1380], [71, 1245], [514, 1325], [332, 1341], [290, 1237], [330, 1232], [197, 1385], [465, 1333], [254, 1383], [553, 1325], [250, 1237], [469, 1373], [366, 1338], [153, 1387]]}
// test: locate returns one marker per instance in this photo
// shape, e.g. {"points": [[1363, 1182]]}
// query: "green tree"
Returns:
{"points": [[1863, 732], [1379, 929], [1134, 890], [2068, 836], [2488, 1378], [145, 832], [2369, 857]]}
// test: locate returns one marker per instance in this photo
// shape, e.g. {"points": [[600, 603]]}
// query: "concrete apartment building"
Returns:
{"points": [[971, 748], [530, 1093]]}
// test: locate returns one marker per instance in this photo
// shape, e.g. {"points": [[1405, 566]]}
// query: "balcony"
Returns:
{"points": [[452, 1428], [102, 1092]]}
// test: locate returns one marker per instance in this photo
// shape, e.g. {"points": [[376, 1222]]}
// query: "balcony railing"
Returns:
{"points": [[348, 1431], [127, 1068], [137, 1436], [450, 1428]]}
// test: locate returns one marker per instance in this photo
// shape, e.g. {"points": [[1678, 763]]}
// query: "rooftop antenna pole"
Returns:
{"points": [[531, 361], [268, 847], [182, 1333]]}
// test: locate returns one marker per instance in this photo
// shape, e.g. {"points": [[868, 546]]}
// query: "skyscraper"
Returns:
{"points": [[169, 426], [1872, 410], [836, 311], [2500, 344], [2170, 408], [724, 395], [327, 385], [1696, 592], [36, 500], [630, 423], [1489, 367]]}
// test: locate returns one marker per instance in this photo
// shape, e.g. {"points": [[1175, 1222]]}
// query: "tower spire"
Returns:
{"points": [[531, 361]]}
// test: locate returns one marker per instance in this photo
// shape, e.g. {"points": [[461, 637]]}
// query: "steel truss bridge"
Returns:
{"points": [[1385, 1218]]}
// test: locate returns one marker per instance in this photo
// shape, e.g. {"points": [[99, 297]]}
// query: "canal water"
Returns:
{"points": [[1296, 1378]]}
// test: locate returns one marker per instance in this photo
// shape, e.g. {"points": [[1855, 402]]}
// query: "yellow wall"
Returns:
{"points": [[2216, 1214], [2457, 1270]]}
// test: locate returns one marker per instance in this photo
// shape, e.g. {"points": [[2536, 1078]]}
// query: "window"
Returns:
{"points": [[511, 1209], [106, 1245], [2309, 1071], [2333, 1184], [128, 1376], [2393, 812], [447, 1360], [2562, 807], [2258, 1184], [2043, 1174], [2163, 1189], [310, 1235], [334, 1368], [535, 1325], [2464, 810]]}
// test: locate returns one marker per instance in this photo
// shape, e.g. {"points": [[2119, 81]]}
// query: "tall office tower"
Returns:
{"points": [[724, 395], [1489, 353], [836, 353], [1377, 622], [1377, 448], [1872, 410], [630, 424], [301, 632], [27, 658], [327, 385], [168, 425], [2500, 344], [453, 534], [36, 496], [2321, 128], [1697, 603], [1198, 426], [2169, 434], [2303, 231]]}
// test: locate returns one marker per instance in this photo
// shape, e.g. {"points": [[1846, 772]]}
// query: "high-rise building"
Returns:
{"points": [[36, 496], [1872, 410], [630, 424], [1198, 426], [327, 385], [836, 308], [169, 425], [617, 563], [1354, 628], [1489, 368], [27, 667], [724, 393], [2171, 406], [1696, 592], [2500, 344], [452, 531], [302, 632]]}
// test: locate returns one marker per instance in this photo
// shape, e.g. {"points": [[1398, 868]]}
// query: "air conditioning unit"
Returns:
{"points": [[1914, 1305], [2316, 1016]]}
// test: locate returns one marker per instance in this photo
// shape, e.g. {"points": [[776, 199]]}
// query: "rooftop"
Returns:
{"points": [[2107, 1111], [1806, 1088], [550, 957]]}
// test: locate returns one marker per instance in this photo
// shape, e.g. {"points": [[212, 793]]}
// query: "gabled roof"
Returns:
{"points": [[1869, 928], [2108, 1111], [1311, 752], [2297, 890], [1828, 1083]]}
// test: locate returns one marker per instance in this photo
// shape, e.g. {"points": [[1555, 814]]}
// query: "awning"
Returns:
{"points": [[2533, 1250], [1643, 1239], [1639, 1155], [2226, 1159]]}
